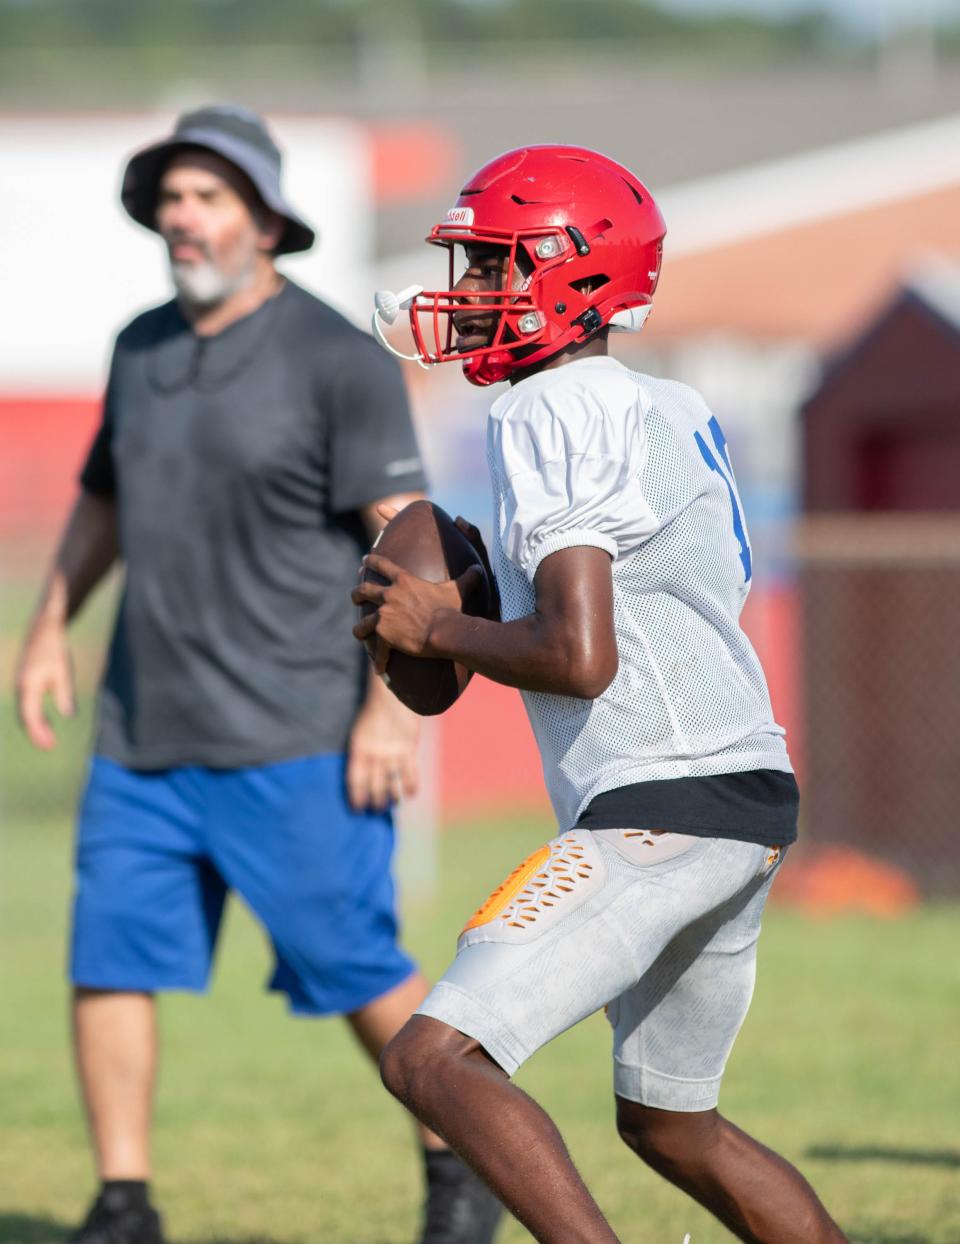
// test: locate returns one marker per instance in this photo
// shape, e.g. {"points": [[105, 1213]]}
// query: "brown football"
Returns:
{"points": [[424, 539]]}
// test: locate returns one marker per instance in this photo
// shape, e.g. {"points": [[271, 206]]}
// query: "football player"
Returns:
{"points": [[623, 561]]}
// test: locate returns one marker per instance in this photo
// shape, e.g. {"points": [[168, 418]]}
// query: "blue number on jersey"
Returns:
{"points": [[720, 441]]}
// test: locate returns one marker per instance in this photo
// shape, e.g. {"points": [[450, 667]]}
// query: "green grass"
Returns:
{"points": [[270, 1128], [275, 1129]]}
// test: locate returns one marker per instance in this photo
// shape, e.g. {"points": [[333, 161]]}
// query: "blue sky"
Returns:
{"points": [[866, 14]]}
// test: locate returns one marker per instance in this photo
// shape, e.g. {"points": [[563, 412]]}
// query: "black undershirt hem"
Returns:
{"points": [[759, 807]]}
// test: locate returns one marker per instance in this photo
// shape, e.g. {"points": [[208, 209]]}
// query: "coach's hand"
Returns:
{"points": [[44, 669], [382, 761]]}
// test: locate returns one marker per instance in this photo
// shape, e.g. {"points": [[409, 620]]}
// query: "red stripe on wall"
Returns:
{"points": [[771, 619], [43, 442], [488, 757]]}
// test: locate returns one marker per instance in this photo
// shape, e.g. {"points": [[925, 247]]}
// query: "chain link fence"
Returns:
{"points": [[880, 610]]}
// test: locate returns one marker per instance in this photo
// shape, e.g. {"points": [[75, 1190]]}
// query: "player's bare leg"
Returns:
{"points": [[377, 1023], [115, 1040], [459, 1208], [449, 1083], [754, 1192]]}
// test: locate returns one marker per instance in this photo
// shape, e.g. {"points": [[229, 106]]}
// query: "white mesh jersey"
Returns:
{"points": [[593, 453]]}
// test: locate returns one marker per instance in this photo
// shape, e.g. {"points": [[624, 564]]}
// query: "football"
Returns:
{"points": [[424, 539]]}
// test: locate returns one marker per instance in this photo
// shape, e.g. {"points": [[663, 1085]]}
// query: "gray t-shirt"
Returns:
{"points": [[239, 463]]}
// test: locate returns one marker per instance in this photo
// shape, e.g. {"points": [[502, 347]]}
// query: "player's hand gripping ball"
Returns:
{"points": [[423, 541]]}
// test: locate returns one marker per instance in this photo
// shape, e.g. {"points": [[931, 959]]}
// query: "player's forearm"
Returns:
{"points": [[87, 550], [533, 653]]}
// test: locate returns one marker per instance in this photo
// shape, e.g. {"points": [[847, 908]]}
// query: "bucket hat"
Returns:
{"points": [[236, 134]]}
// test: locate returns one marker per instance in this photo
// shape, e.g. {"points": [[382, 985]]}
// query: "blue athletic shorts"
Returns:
{"points": [[157, 853]]}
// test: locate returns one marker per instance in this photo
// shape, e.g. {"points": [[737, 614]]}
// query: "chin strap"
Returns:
{"points": [[387, 306], [489, 368]]}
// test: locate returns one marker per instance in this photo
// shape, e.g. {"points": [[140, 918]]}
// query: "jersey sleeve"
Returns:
{"points": [[572, 477], [373, 449], [97, 474]]}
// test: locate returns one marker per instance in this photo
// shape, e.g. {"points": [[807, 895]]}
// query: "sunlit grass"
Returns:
{"points": [[275, 1129]]}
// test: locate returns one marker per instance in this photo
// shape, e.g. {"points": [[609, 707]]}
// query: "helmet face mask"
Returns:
{"points": [[517, 323], [582, 239]]}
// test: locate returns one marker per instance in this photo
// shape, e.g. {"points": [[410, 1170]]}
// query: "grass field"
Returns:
{"points": [[276, 1130]]}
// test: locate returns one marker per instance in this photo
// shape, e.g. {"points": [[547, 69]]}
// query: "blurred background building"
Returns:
{"points": [[807, 158]]}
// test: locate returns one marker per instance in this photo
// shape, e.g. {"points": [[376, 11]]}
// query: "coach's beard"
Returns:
{"points": [[203, 285]]}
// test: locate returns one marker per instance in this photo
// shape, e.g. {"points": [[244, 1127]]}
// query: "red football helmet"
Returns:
{"points": [[581, 221]]}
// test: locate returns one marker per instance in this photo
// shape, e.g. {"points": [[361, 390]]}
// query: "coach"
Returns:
{"points": [[248, 434]]}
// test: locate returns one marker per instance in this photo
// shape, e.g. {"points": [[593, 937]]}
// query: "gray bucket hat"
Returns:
{"points": [[238, 135]]}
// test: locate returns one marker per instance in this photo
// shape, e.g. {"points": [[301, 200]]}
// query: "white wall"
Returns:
{"points": [[74, 267]]}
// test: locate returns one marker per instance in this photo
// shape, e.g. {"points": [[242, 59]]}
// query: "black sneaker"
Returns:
{"points": [[460, 1208], [114, 1220]]}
